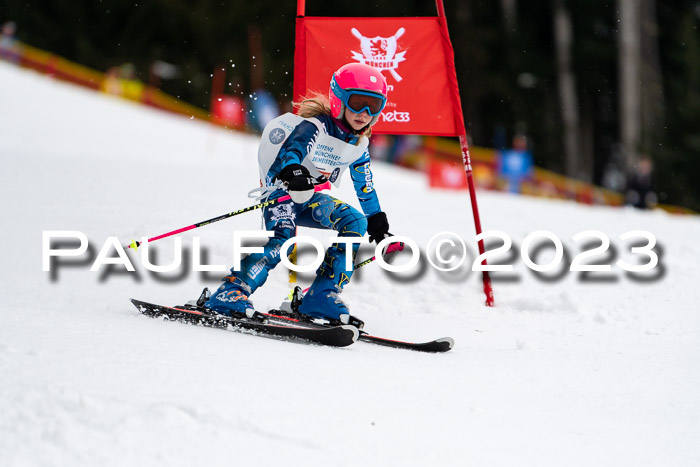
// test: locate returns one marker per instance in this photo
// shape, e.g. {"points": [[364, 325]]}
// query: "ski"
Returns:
{"points": [[442, 344], [335, 336]]}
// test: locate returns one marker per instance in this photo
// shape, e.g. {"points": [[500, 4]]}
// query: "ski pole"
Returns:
{"points": [[134, 244], [390, 250]]}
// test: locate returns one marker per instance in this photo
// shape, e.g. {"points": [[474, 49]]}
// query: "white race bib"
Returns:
{"points": [[329, 156]]}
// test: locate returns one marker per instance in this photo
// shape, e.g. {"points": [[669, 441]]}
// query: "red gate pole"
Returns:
{"points": [[460, 127], [298, 90]]}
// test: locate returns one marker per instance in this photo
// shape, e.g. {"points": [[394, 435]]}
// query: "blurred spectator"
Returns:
{"points": [[122, 81], [640, 193], [401, 145], [262, 107], [9, 48], [112, 84], [397, 149], [392, 148], [133, 88], [161, 70], [516, 164], [380, 147]]}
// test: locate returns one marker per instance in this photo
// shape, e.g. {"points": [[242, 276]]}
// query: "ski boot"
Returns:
{"points": [[325, 303], [231, 299], [290, 308]]}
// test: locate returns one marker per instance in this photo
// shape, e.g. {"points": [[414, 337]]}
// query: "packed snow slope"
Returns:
{"points": [[596, 369]]}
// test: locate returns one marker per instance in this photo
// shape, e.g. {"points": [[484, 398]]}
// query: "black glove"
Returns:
{"points": [[300, 184], [378, 227]]}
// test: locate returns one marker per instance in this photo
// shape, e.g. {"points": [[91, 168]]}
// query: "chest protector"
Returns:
{"points": [[327, 156]]}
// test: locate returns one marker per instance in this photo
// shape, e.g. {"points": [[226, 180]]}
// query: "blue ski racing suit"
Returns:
{"points": [[320, 211]]}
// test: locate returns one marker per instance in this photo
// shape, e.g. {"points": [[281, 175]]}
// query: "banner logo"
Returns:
{"points": [[380, 52]]}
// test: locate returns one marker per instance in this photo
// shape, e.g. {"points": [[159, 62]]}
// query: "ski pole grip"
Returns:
{"points": [[394, 247], [323, 186]]}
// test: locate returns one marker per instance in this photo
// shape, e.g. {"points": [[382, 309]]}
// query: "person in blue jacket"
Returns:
{"points": [[326, 138]]}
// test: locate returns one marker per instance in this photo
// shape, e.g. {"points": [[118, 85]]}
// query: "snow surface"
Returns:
{"points": [[601, 370]]}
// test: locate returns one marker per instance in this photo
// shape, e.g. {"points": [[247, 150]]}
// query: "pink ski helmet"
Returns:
{"points": [[358, 87]]}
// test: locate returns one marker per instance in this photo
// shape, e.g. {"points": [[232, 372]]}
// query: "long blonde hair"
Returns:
{"points": [[316, 103]]}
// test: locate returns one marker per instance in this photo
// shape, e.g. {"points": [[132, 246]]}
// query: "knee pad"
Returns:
{"points": [[352, 224]]}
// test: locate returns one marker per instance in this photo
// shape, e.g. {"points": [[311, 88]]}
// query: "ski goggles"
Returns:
{"points": [[359, 101]]}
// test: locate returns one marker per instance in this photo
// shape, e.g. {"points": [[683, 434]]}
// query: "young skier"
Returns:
{"points": [[328, 137]]}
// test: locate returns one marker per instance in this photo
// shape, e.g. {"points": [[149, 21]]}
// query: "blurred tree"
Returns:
{"points": [[677, 155], [630, 90], [653, 96], [568, 95]]}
